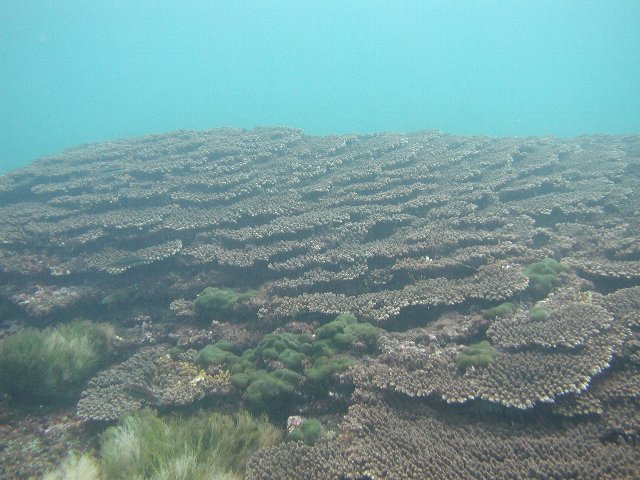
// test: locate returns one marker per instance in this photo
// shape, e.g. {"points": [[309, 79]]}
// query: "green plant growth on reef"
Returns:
{"points": [[476, 355], [271, 391], [538, 314], [503, 310], [323, 369], [175, 352], [308, 432], [215, 302], [51, 365], [214, 355], [76, 467], [272, 375], [121, 295], [542, 275], [203, 446], [345, 331]]}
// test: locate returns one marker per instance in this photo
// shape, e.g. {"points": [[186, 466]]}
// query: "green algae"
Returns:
{"points": [[476, 355], [121, 295], [52, 364]]}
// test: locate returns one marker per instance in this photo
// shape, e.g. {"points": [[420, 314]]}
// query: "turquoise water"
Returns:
{"points": [[74, 72]]}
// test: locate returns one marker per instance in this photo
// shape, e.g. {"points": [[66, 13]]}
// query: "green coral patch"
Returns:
{"points": [[240, 380], [309, 432], [324, 368], [212, 355], [272, 374], [342, 333], [270, 392], [292, 359]]}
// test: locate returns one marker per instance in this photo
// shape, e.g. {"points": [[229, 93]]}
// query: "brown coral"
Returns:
{"points": [[148, 378], [374, 224]]}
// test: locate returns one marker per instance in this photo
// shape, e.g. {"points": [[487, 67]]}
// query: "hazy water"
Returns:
{"points": [[74, 71]]}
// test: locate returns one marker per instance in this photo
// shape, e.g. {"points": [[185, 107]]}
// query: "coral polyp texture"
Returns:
{"points": [[403, 439], [371, 224], [441, 306]]}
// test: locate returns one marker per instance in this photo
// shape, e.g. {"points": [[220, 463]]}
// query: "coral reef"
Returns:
{"points": [[285, 365], [377, 225], [40, 301], [394, 438], [31, 444], [149, 378], [491, 283], [539, 360]]}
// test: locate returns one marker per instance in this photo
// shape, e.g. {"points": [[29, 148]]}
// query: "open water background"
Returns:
{"points": [[74, 71]]}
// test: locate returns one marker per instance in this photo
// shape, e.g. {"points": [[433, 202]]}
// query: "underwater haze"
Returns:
{"points": [[74, 72]]}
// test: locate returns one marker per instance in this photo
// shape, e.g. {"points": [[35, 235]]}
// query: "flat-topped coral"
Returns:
{"points": [[394, 438], [569, 324], [149, 378], [377, 225], [539, 361], [414, 234]]}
